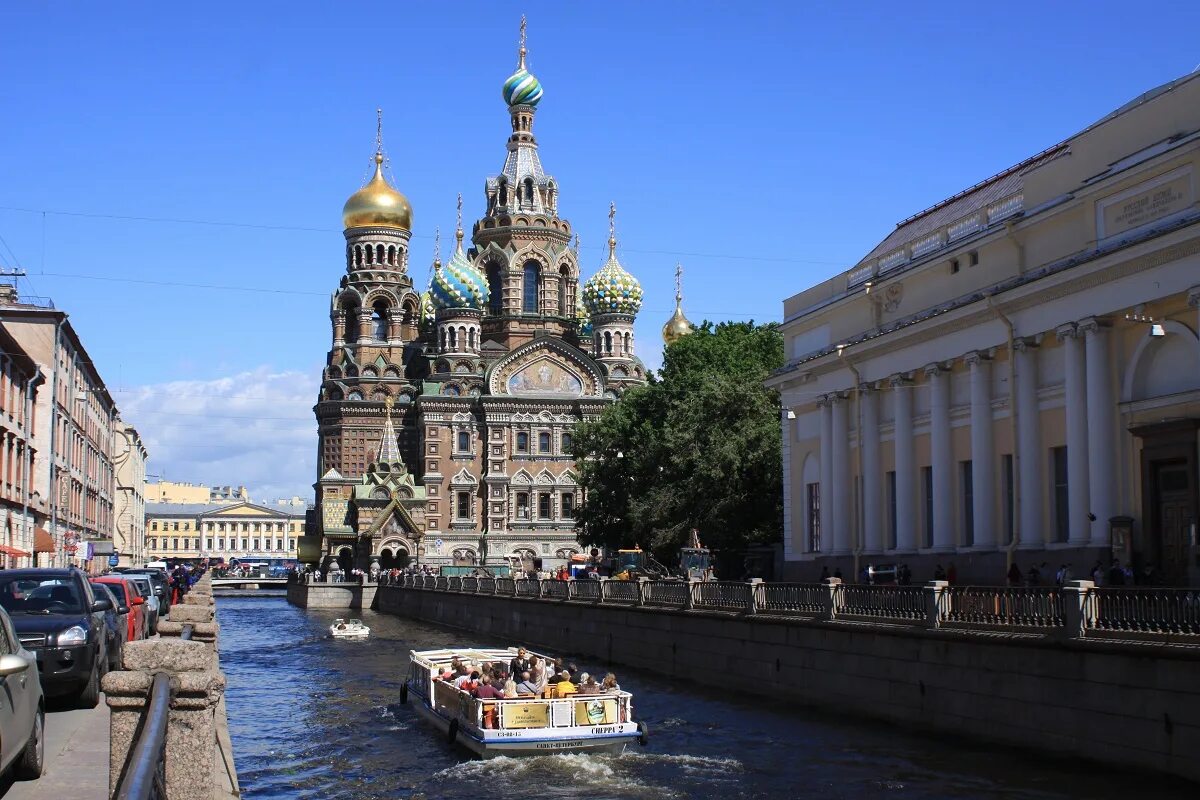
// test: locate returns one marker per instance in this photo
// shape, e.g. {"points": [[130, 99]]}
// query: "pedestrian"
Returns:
{"points": [[824, 573], [1014, 574]]}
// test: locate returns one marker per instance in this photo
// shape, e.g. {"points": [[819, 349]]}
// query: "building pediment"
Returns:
{"points": [[546, 368], [241, 510]]}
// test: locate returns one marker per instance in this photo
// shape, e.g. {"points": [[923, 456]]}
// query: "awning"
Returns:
{"points": [[12, 551], [43, 542]]}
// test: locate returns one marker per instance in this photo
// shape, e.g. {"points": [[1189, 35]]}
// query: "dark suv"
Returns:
{"points": [[161, 583], [59, 619]]}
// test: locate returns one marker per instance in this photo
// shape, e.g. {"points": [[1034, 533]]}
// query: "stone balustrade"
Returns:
{"points": [[197, 760]]}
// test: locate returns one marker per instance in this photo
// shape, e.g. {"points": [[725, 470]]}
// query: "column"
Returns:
{"points": [[1193, 300], [983, 455], [785, 444], [872, 480], [906, 465], [825, 406], [1030, 454], [1078, 503], [840, 513], [1102, 428], [942, 453]]}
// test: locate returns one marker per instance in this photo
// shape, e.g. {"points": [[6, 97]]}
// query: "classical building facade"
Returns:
{"points": [[129, 461], [245, 531], [20, 506], [1012, 375], [74, 422], [183, 492], [445, 416]]}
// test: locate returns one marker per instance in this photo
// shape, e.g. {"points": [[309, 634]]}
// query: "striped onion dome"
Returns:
{"points": [[459, 284], [522, 89], [612, 290]]}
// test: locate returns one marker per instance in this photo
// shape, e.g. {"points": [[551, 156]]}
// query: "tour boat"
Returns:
{"points": [[524, 726], [349, 629]]}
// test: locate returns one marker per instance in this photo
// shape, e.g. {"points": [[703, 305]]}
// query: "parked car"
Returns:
{"points": [[58, 617], [160, 579], [128, 594], [117, 621], [22, 707], [146, 589]]}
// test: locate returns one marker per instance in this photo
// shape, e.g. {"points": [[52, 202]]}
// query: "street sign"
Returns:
{"points": [[113, 560]]}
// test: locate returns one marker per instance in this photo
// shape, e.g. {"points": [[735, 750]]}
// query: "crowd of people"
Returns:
{"points": [[526, 676]]}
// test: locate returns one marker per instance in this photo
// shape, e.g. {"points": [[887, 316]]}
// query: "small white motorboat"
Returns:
{"points": [[349, 629], [533, 726]]}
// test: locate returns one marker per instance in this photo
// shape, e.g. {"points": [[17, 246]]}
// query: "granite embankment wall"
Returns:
{"points": [[1122, 703], [331, 595]]}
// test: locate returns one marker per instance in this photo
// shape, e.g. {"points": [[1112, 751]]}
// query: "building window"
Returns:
{"points": [[154, 526], [890, 481], [567, 442], [953, 265], [266, 544], [244, 545], [463, 505], [522, 505], [174, 544], [966, 473], [464, 442], [522, 442], [291, 544], [927, 487], [279, 544], [495, 288], [154, 544], [543, 442], [568, 506], [1009, 498], [220, 544], [1062, 513], [196, 544], [210, 542], [529, 288], [175, 526], [974, 257], [812, 511], [544, 505]]}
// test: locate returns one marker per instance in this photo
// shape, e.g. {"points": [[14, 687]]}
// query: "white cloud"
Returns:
{"points": [[255, 428]]}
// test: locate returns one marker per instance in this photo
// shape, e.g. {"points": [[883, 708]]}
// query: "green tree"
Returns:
{"points": [[697, 447]]}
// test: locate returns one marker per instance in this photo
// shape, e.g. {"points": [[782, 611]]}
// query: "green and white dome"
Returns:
{"points": [[612, 290]]}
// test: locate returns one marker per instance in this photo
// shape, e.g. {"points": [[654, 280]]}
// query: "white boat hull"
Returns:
{"points": [[487, 743]]}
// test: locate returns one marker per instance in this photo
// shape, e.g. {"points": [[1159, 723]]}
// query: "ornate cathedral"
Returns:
{"points": [[445, 416]]}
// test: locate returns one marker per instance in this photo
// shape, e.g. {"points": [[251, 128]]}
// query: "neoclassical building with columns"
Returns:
{"points": [[1012, 375]]}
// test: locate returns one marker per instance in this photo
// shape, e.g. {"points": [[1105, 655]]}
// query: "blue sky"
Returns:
{"points": [[765, 146]]}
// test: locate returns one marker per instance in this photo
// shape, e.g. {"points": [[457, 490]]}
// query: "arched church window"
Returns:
{"points": [[351, 324], [453, 338], [522, 442], [370, 254], [628, 347], [608, 342], [379, 254], [471, 338], [464, 442], [495, 288], [503, 192], [564, 300], [392, 255], [529, 288], [543, 442], [357, 255], [529, 190], [379, 322]]}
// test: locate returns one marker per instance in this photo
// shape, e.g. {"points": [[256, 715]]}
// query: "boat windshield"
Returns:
{"points": [[355, 622]]}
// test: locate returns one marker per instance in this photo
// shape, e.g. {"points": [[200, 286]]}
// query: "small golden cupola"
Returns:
{"points": [[377, 205], [678, 325]]}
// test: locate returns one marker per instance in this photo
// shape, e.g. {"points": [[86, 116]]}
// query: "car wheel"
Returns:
{"points": [[90, 695], [29, 766]]}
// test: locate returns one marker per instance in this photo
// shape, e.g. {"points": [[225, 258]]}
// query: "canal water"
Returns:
{"points": [[312, 717]]}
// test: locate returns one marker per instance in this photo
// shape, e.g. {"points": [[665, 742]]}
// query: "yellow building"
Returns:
{"points": [[1013, 375], [245, 531], [174, 492]]}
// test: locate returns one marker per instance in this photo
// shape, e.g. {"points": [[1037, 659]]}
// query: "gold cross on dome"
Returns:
{"points": [[522, 51], [379, 131]]}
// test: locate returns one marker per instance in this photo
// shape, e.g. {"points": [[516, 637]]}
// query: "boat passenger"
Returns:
{"points": [[520, 663], [486, 691], [564, 688], [588, 685], [510, 686], [527, 687], [609, 684], [463, 677]]}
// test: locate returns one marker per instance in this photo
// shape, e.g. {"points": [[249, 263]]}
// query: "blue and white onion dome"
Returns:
{"points": [[522, 89], [458, 284], [428, 312], [612, 290], [584, 320]]}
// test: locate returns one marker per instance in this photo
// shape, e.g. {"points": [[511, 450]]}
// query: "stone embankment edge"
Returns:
{"points": [[1123, 704]]}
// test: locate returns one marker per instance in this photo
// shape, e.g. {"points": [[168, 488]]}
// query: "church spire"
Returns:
{"points": [[678, 325], [389, 449]]}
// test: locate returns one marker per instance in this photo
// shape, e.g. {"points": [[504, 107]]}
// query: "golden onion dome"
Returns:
{"points": [[377, 204], [677, 327]]}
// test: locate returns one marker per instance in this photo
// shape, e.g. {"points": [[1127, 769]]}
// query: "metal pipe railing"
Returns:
{"points": [[186, 632], [145, 774]]}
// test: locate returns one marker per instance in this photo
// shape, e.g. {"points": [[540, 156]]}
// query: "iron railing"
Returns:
{"points": [[1160, 611], [1014, 607], [793, 598], [893, 602], [622, 592], [145, 773], [722, 595], [672, 594]]}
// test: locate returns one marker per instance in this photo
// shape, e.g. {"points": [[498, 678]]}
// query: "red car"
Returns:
{"points": [[127, 594]]}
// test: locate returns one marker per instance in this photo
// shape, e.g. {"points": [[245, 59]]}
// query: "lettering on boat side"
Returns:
{"points": [[599, 731], [558, 745]]}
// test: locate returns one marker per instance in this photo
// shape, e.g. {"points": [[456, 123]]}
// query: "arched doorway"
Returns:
{"points": [[345, 559], [396, 557]]}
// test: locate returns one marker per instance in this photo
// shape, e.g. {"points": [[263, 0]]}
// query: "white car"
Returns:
{"points": [[22, 709]]}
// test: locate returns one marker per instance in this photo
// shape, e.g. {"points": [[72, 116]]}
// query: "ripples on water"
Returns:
{"points": [[316, 718]]}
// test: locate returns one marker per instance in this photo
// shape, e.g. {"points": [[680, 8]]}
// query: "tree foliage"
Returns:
{"points": [[698, 447]]}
